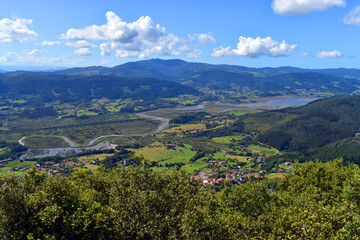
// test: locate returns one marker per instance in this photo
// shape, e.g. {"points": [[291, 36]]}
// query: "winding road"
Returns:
{"points": [[165, 123], [71, 143], [92, 142]]}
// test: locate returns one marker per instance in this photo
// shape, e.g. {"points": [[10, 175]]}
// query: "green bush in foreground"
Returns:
{"points": [[317, 201]]}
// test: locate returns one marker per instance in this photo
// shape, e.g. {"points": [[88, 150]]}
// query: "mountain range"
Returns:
{"points": [[225, 78], [264, 81]]}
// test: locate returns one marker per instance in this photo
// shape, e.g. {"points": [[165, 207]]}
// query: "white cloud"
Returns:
{"points": [[194, 54], [35, 52], [201, 39], [80, 44], [254, 47], [353, 17], [330, 54], [140, 38], [16, 30], [50, 43], [304, 54], [125, 54], [83, 52], [26, 58], [296, 7]]}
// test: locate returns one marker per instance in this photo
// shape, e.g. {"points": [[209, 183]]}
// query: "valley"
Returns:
{"points": [[188, 122], [164, 146]]}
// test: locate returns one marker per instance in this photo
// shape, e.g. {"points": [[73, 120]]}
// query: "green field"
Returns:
{"points": [[151, 152], [99, 157], [237, 113], [179, 155], [275, 175], [159, 153], [219, 156], [194, 167], [261, 150], [113, 109], [238, 158], [86, 112], [91, 167], [188, 102], [226, 140], [19, 163]]}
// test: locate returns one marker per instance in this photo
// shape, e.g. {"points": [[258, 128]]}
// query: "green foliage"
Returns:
{"points": [[194, 117], [263, 81], [52, 87], [228, 130], [316, 201], [127, 203], [317, 125]]}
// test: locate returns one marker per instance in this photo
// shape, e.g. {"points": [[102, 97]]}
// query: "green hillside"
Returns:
{"points": [[69, 88], [324, 128], [263, 81]]}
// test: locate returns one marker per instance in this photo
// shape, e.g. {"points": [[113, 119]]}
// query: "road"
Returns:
{"points": [[71, 143], [161, 127], [141, 115]]}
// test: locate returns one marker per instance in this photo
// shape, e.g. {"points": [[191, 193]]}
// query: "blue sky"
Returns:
{"points": [[257, 33]]}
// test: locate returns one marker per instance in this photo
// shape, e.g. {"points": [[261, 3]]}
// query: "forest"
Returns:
{"points": [[316, 201]]}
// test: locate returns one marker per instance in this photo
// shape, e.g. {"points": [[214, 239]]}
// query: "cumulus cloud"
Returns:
{"points": [[353, 17], [140, 38], [80, 44], [254, 47], [35, 52], [201, 39], [83, 52], [126, 54], [297, 7], [16, 30], [194, 54], [330, 54], [304, 54], [50, 43]]}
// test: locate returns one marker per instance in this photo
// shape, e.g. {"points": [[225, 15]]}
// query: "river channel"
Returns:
{"points": [[73, 149]]}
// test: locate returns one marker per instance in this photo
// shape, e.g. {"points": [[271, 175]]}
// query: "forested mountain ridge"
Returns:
{"points": [[175, 69], [306, 129], [65, 88], [236, 79], [266, 81]]}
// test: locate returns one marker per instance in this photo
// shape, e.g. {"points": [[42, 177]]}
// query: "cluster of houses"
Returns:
{"points": [[234, 177], [231, 175], [63, 167]]}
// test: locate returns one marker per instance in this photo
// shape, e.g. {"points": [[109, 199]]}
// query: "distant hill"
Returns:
{"points": [[266, 81], [178, 70], [69, 88], [310, 128], [238, 79]]}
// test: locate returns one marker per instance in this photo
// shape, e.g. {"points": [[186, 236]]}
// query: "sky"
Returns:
{"points": [[256, 33]]}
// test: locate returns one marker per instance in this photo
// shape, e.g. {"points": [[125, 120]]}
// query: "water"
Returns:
{"points": [[281, 103]]}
